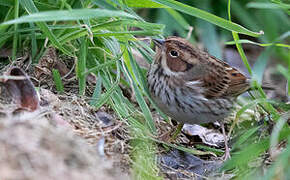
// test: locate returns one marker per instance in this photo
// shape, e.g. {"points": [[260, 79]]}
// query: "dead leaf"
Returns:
{"points": [[22, 90]]}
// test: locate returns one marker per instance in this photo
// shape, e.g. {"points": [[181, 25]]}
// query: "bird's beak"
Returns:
{"points": [[158, 42]]}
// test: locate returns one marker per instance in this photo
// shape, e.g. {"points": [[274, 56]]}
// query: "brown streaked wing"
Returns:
{"points": [[223, 80], [238, 84]]}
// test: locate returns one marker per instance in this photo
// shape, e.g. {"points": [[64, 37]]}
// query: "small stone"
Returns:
{"points": [[105, 118]]}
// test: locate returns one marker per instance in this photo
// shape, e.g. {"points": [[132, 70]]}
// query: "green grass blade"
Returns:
{"points": [[9, 15], [145, 109], [100, 66], [252, 151], [104, 97], [208, 17], [97, 92], [184, 149], [261, 63], [15, 37], [267, 105], [114, 93], [8, 3], [103, 4], [179, 18], [144, 4], [150, 29], [66, 15], [110, 89], [29, 6], [6, 28], [123, 33], [239, 46], [262, 5], [246, 41], [274, 140], [145, 162], [251, 104], [33, 44], [140, 99], [81, 66], [57, 81], [244, 137], [242, 53]]}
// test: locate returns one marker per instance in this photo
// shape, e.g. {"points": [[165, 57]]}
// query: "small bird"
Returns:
{"points": [[191, 86]]}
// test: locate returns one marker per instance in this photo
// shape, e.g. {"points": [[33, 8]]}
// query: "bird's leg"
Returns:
{"points": [[227, 150], [176, 132]]}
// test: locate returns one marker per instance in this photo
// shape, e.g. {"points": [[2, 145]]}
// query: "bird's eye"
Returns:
{"points": [[173, 53]]}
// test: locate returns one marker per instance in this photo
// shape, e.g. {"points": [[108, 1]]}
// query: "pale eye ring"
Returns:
{"points": [[174, 54]]}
